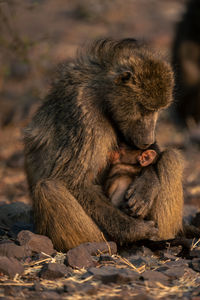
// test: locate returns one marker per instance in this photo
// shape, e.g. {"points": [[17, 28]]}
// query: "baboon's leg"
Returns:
{"points": [[167, 210], [59, 216]]}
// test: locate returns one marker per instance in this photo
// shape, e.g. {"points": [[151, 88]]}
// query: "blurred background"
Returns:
{"points": [[36, 35]]}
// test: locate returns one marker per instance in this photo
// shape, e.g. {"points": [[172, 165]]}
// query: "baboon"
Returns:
{"points": [[126, 164], [111, 94], [186, 62]]}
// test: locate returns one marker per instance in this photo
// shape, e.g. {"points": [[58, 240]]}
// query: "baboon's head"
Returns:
{"points": [[134, 86], [138, 94]]}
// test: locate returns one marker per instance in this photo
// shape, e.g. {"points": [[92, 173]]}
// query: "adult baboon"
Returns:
{"points": [[111, 94]]}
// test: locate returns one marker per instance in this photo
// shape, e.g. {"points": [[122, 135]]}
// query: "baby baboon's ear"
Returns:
{"points": [[123, 77]]}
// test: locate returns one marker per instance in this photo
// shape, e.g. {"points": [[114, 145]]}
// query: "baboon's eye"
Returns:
{"points": [[145, 110], [124, 77]]}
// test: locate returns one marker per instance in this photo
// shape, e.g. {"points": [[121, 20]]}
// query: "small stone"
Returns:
{"points": [[10, 266], [88, 288], [37, 286], [146, 251], [103, 247], [70, 287], [10, 249], [196, 220], [137, 261], [19, 226], [53, 270], [107, 274], [141, 296], [195, 264], [79, 257], [177, 263], [35, 242], [13, 290], [105, 258], [195, 253], [15, 212], [155, 276], [49, 295], [167, 255], [175, 273]]}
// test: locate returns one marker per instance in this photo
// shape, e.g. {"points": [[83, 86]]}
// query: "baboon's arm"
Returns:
{"points": [[117, 225], [141, 194]]}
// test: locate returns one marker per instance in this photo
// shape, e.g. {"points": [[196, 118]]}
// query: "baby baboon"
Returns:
{"points": [[111, 94], [126, 164]]}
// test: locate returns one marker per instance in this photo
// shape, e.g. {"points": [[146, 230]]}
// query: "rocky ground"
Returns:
{"points": [[34, 36]]}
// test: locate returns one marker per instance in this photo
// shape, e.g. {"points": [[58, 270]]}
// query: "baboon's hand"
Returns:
{"points": [[144, 230], [141, 194]]}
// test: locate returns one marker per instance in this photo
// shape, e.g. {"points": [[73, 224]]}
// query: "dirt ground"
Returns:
{"points": [[36, 35]]}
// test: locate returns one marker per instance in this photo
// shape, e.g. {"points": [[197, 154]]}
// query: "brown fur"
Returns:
{"points": [[110, 94]]}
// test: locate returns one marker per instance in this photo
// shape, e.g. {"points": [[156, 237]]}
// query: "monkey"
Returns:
{"points": [[186, 63], [125, 166], [111, 94]]}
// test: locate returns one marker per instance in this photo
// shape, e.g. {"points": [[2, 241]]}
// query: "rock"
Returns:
{"points": [[19, 226], [53, 271], [195, 264], [141, 296], [10, 266], [96, 248], [79, 257], [88, 288], [49, 295], [146, 251], [177, 263], [175, 273], [137, 260], [37, 286], [195, 253], [155, 276], [10, 249], [167, 255], [105, 258], [70, 286], [189, 213], [13, 290], [15, 212], [196, 220], [35, 242], [107, 274]]}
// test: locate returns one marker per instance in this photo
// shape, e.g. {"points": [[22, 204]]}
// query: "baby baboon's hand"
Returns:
{"points": [[142, 192]]}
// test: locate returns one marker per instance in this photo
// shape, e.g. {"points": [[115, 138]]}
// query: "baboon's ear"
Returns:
{"points": [[123, 77]]}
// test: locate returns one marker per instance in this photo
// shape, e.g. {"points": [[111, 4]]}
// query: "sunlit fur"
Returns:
{"points": [[112, 92]]}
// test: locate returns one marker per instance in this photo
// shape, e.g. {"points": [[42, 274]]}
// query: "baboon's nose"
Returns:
{"points": [[144, 146]]}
